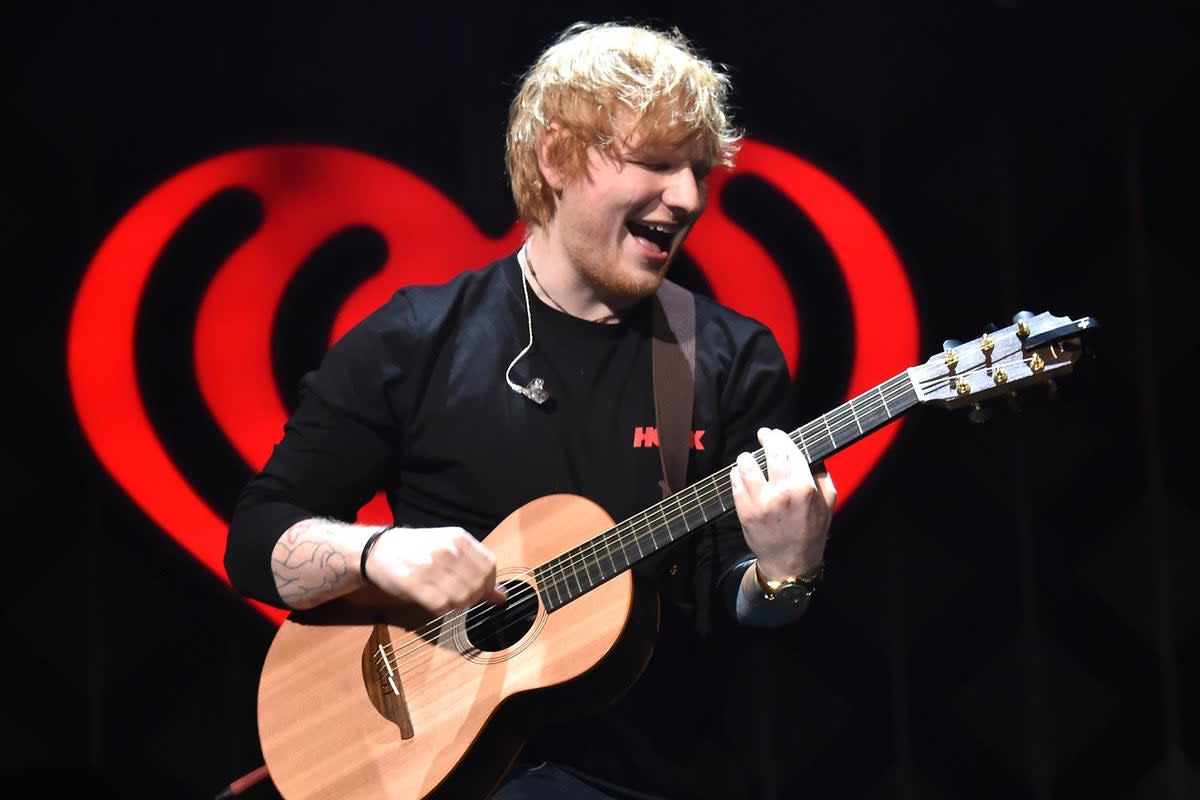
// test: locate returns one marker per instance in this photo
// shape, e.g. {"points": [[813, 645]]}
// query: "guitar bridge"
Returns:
{"points": [[382, 680]]}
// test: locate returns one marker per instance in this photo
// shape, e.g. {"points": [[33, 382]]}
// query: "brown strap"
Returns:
{"points": [[674, 358]]}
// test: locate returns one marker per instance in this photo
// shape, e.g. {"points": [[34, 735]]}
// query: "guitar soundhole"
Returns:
{"points": [[497, 627]]}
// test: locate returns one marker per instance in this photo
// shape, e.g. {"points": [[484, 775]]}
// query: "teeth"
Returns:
{"points": [[654, 226]]}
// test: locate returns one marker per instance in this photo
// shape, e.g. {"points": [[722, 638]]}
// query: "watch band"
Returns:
{"points": [[799, 586]]}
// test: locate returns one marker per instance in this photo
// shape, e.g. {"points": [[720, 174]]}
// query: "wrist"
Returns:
{"points": [[776, 569], [367, 547], [792, 587]]}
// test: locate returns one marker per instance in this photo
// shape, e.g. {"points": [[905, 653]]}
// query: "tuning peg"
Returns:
{"points": [[948, 351], [979, 413], [1021, 318]]}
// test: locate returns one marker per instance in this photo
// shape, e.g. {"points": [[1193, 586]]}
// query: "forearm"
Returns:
{"points": [[317, 560]]}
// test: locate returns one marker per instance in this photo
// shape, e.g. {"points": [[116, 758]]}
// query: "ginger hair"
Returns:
{"points": [[598, 81]]}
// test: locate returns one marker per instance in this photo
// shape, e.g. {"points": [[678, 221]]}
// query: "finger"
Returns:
{"points": [[783, 457], [465, 557], [471, 576], [777, 453], [482, 561], [736, 481], [748, 477], [491, 591], [476, 552], [826, 486]]}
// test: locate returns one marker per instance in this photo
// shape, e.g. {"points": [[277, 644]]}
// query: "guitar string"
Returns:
{"points": [[561, 575], [573, 566], [565, 575], [406, 661]]}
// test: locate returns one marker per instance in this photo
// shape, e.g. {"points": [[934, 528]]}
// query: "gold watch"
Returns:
{"points": [[790, 588]]}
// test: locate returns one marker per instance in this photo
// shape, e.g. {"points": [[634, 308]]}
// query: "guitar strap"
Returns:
{"points": [[673, 354], [674, 358]]}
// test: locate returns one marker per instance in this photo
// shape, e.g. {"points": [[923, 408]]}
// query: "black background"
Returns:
{"points": [[1010, 610]]}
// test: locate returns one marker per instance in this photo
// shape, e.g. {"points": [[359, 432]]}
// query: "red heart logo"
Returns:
{"points": [[308, 194]]}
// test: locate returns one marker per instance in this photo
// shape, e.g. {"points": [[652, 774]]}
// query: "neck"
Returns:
{"points": [[557, 283]]}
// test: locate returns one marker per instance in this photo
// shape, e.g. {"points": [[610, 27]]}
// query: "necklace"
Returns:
{"points": [[533, 273]]}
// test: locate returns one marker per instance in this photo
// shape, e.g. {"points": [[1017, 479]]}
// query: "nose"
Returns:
{"points": [[683, 192]]}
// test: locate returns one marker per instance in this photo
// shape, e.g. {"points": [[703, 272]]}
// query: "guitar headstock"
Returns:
{"points": [[1034, 349]]}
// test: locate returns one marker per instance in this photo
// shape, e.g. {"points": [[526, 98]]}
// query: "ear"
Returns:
{"points": [[552, 172]]}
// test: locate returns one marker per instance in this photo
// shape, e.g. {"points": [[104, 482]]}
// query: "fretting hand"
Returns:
{"points": [[786, 513]]}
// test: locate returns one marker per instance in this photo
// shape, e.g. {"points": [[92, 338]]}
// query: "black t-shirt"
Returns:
{"points": [[413, 401]]}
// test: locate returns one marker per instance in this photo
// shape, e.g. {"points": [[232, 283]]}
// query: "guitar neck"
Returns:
{"points": [[607, 554]]}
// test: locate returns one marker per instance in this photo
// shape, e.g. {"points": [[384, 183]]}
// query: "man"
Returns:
{"points": [[432, 399]]}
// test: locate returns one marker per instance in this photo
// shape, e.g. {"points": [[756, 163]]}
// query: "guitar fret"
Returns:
{"points": [[835, 433], [854, 413], [662, 527], [612, 570], [833, 445], [602, 573], [619, 540], [887, 411], [724, 495], [598, 556], [642, 532], [703, 509], [660, 532], [580, 568], [804, 447], [575, 574], [547, 583], [617, 550], [558, 578], [587, 572], [676, 515]]}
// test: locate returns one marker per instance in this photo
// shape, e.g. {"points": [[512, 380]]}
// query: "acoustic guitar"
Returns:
{"points": [[364, 700]]}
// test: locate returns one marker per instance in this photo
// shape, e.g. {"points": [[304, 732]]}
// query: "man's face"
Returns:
{"points": [[622, 222]]}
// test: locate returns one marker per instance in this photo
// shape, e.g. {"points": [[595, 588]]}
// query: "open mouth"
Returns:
{"points": [[659, 235]]}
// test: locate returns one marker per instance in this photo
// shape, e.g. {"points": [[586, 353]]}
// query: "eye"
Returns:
{"points": [[653, 166]]}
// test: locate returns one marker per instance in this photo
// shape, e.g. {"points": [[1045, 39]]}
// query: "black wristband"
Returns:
{"points": [[366, 551]]}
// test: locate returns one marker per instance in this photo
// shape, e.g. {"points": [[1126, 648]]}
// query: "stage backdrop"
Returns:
{"points": [[200, 198]]}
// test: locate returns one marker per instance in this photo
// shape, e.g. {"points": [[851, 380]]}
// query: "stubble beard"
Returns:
{"points": [[608, 280]]}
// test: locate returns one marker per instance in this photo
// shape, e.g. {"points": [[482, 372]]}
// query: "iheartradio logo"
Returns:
{"points": [[310, 193]]}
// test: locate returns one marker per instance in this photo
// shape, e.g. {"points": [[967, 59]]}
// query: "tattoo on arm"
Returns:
{"points": [[308, 569]]}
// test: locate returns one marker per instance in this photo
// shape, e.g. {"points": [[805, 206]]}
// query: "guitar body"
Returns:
{"points": [[363, 700]]}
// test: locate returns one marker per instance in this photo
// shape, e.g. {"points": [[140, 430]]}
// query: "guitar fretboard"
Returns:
{"points": [[583, 568]]}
